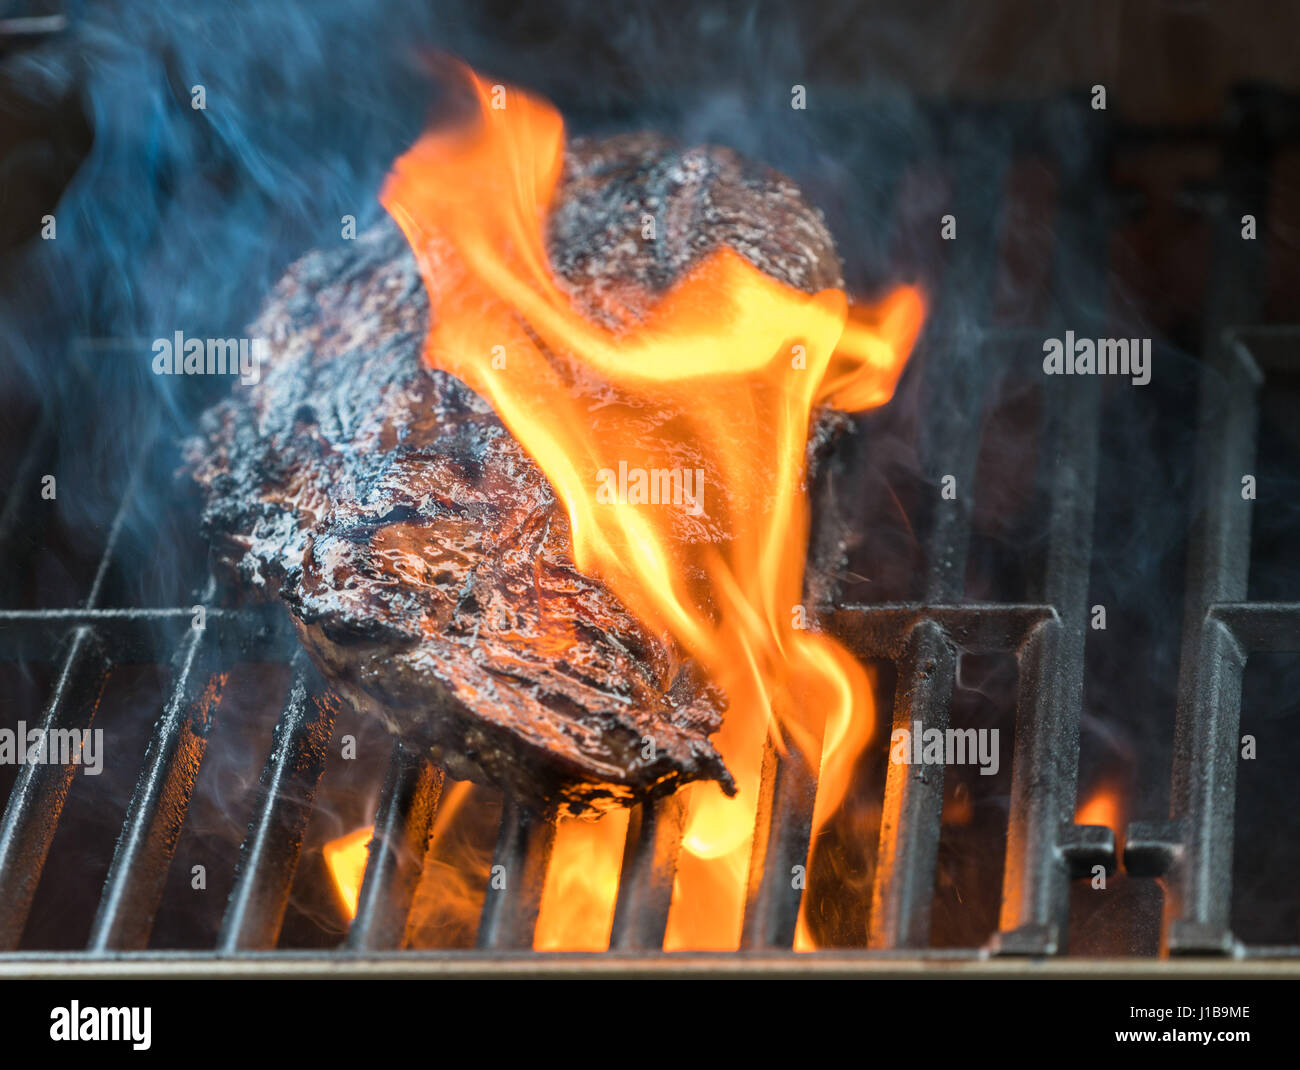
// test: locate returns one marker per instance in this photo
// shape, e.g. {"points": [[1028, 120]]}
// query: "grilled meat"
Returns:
{"points": [[422, 555]]}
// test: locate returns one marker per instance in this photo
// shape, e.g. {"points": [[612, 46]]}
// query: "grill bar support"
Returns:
{"points": [[269, 856], [407, 808], [912, 809], [36, 802], [1043, 845], [1045, 768], [154, 817], [518, 875], [1194, 848], [782, 826], [645, 886], [21, 528], [958, 381], [133, 636], [913, 805]]}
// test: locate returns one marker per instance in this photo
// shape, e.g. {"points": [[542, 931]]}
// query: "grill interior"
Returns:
{"points": [[102, 630]]}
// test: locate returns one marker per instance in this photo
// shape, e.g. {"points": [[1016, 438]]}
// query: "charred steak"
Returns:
{"points": [[422, 555]]}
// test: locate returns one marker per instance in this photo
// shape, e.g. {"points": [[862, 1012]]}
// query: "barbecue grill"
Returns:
{"points": [[922, 640]]}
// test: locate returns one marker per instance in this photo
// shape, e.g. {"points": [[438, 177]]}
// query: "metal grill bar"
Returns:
{"points": [[35, 805], [782, 824], [514, 892], [269, 855], [1041, 835], [138, 873], [908, 849], [1204, 790], [18, 549], [36, 802], [957, 382], [883, 630], [1261, 626], [1194, 848], [407, 808], [645, 885], [913, 804], [132, 636], [1035, 894]]}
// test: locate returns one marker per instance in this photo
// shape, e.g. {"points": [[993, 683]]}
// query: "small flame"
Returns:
{"points": [[1105, 806], [717, 378], [448, 902], [346, 860], [346, 856]]}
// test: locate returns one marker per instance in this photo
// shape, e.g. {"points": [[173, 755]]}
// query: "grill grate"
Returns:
{"points": [[1193, 849], [1045, 848]]}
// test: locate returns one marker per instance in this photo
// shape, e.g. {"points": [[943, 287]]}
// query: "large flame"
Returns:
{"points": [[712, 386]]}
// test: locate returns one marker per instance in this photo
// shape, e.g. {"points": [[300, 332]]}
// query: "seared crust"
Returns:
{"points": [[422, 555]]}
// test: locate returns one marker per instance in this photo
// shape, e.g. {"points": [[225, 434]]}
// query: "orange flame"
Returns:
{"points": [[346, 856], [1104, 807], [717, 380], [346, 861], [577, 908]]}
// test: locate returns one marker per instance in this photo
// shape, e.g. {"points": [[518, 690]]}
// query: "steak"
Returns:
{"points": [[422, 556]]}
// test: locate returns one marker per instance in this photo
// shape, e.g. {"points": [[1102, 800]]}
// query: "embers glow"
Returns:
{"points": [[718, 377]]}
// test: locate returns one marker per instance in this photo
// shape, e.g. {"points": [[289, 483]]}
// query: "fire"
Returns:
{"points": [[346, 856], [715, 382], [1104, 807], [346, 861], [577, 908]]}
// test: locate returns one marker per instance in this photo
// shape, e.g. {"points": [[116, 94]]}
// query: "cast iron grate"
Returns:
{"points": [[1045, 849]]}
